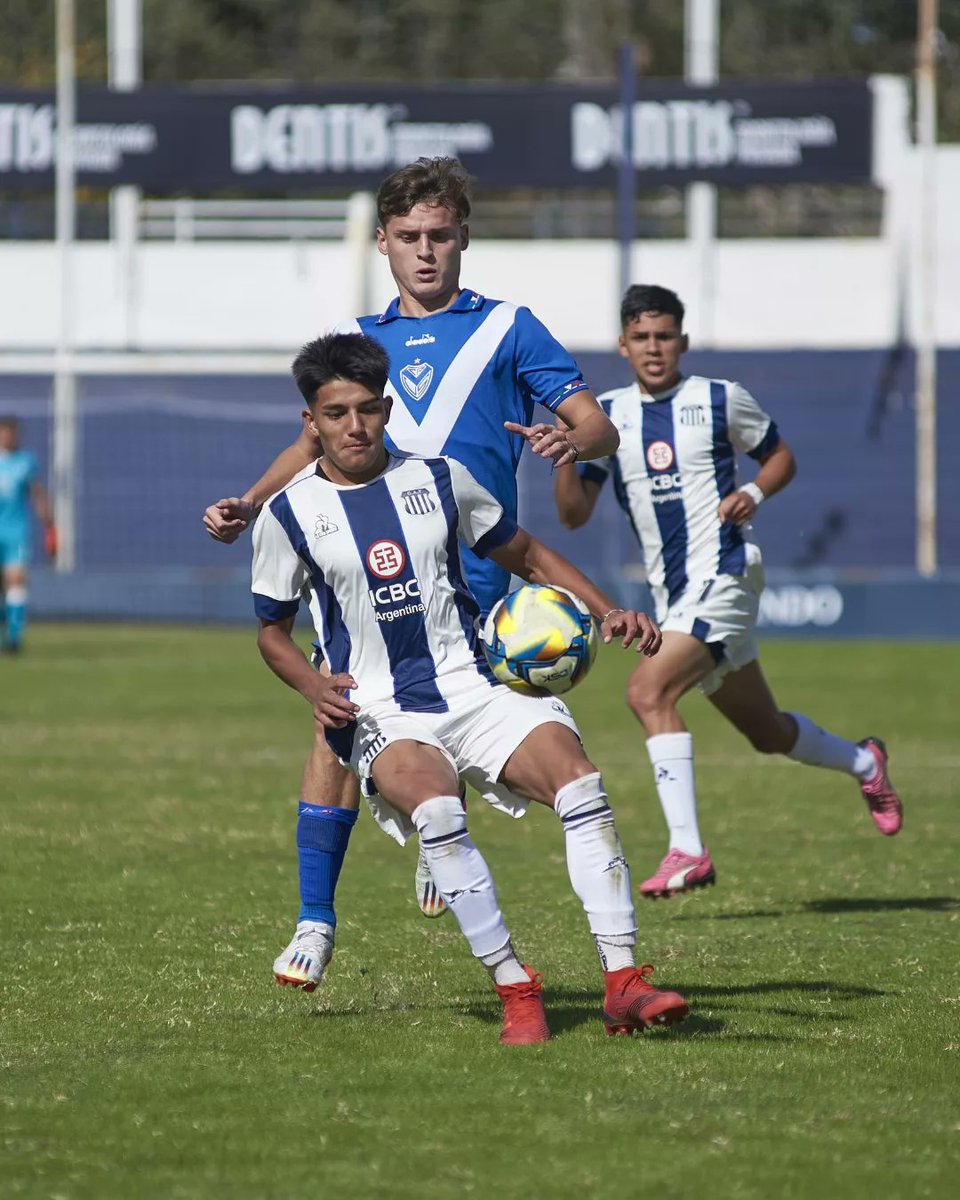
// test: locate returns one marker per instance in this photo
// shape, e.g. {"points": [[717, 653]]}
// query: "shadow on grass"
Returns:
{"points": [[848, 904], [828, 987]]}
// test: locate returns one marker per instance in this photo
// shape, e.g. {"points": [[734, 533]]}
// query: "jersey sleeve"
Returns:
{"points": [[279, 575], [751, 430], [596, 471], [33, 469], [547, 372], [483, 525]]}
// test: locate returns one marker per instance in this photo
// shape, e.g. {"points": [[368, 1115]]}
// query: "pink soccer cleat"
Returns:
{"points": [[680, 872], [879, 793]]}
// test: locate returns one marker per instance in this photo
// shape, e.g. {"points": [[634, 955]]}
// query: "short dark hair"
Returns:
{"points": [[441, 181], [643, 298], [351, 356], [9, 422]]}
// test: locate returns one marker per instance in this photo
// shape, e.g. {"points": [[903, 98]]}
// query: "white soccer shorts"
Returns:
{"points": [[723, 614], [477, 739]]}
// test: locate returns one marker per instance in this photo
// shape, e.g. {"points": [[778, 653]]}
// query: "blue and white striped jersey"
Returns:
{"points": [[676, 462], [455, 377], [380, 566], [18, 469]]}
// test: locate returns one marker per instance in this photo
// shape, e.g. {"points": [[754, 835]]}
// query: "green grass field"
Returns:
{"points": [[148, 780]]}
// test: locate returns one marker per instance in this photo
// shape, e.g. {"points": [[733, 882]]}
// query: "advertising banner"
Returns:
{"points": [[272, 141]]}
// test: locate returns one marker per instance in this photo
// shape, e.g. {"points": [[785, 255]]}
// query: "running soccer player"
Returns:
{"points": [[373, 539], [465, 374], [675, 477], [19, 489]]}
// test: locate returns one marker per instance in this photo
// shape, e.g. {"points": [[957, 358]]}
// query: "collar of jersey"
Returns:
{"points": [[393, 461], [653, 397], [467, 301]]}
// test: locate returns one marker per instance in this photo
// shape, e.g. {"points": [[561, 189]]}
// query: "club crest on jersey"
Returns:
{"points": [[386, 559], [324, 526], [418, 502], [660, 455], [693, 414], [416, 378]]}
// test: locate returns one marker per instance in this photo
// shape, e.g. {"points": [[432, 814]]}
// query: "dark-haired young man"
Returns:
{"points": [[465, 374], [675, 477], [410, 701]]}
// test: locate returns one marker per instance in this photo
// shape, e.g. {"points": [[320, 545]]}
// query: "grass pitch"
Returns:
{"points": [[148, 780]]}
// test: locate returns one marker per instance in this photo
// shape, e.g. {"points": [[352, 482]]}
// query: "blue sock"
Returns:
{"points": [[322, 837]]}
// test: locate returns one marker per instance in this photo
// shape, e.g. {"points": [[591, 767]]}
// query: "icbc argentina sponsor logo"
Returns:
{"points": [[665, 484], [386, 560]]}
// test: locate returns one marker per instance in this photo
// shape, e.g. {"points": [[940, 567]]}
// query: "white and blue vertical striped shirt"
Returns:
{"points": [[380, 565], [676, 462]]}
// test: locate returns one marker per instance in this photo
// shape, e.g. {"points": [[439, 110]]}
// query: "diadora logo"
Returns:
{"points": [[660, 456], [386, 559], [425, 339], [666, 483], [416, 378], [324, 526], [692, 414], [418, 502]]}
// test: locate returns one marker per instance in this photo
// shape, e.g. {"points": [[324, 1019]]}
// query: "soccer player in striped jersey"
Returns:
{"points": [[675, 477], [20, 489], [465, 374], [373, 539]]}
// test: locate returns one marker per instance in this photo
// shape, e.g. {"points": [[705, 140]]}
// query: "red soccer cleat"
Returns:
{"points": [[880, 794], [524, 1021], [632, 1003]]}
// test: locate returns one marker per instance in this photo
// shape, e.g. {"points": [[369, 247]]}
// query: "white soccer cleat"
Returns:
{"points": [[431, 902], [303, 962]]}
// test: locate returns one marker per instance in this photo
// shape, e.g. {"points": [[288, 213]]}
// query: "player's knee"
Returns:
{"points": [[645, 699], [440, 821]]}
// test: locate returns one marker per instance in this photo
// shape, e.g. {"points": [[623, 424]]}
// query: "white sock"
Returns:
{"points": [[460, 873], [504, 966], [818, 748], [597, 868], [671, 755]]}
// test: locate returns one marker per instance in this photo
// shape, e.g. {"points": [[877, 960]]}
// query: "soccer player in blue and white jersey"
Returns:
{"points": [[465, 374], [373, 539], [675, 477], [20, 490]]}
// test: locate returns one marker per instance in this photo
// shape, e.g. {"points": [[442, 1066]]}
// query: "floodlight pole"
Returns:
{"points": [[64, 450], [626, 172], [926, 379], [701, 67], [125, 74]]}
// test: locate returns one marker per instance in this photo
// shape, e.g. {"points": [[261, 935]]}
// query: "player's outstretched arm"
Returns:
{"points": [[229, 517], [777, 468], [585, 432], [523, 555], [575, 497], [325, 692]]}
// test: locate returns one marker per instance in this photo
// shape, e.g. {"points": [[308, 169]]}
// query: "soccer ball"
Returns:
{"points": [[540, 640]]}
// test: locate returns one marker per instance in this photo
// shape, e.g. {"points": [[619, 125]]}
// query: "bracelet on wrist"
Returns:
{"points": [[610, 614], [754, 492]]}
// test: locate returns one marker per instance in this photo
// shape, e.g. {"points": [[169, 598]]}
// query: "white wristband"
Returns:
{"points": [[755, 494]]}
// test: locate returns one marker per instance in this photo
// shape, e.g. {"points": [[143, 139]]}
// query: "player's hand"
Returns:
{"points": [[331, 707], [631, 627], [50, 542], [228, 518], [737, 508], [547, 441]]}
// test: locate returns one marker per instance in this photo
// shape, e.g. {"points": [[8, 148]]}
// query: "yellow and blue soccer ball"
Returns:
{"points": [[540, 639]]}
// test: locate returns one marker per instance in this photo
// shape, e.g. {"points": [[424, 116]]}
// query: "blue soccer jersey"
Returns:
{"points": [[18, 470], [455, 377]]}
